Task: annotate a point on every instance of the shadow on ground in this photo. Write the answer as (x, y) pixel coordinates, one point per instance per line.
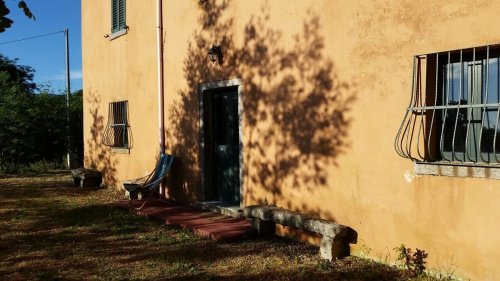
(51, 230)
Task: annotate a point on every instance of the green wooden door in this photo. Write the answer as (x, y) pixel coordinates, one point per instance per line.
(226, 166)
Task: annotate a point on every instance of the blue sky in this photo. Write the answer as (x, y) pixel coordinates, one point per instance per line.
(46, 55)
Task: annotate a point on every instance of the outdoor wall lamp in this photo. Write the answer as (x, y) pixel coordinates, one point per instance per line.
(215, 54)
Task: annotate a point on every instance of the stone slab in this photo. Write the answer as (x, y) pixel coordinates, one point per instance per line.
(85, 178)
(335, 237)
(295, 219)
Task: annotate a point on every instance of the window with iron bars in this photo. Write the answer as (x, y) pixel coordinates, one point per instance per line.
(453, 115)
(117, 133)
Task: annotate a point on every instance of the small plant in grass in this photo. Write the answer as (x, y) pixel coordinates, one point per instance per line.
(414, 262)
(324, 265)
(182, 267)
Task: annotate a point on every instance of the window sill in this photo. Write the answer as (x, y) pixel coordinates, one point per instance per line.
(461, 170)
(117, 34)
(120, 150)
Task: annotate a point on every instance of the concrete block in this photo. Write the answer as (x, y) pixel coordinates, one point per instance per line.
(131, 195)
(263, 227)
(143, 194)
(76, 181)
(86, 177)
(331, 248)
(90, 182)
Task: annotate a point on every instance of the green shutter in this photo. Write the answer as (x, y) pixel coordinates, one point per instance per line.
(121, 14)
(117, 15)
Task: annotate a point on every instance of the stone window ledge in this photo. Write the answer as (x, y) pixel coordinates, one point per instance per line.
(120, 150)
(117, 34)
(461, 170)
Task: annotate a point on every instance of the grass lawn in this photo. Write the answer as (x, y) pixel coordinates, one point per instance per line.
(50, 230)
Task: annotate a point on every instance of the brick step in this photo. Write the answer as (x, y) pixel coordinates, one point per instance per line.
(209, 224)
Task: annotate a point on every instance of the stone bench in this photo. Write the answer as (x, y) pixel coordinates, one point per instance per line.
(335, 237)
(137, 193)
(86, 177)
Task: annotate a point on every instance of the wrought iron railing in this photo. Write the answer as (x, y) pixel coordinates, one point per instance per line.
(117, 132)
(454, 110)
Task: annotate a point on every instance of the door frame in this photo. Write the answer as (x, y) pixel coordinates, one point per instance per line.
(207, 88)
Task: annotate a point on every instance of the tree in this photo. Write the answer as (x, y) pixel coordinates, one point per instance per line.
(15, 96)
(33, 125)
(76, 126)
(5, 22)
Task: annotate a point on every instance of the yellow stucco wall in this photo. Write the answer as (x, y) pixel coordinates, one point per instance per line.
(124, 68)
(325, 86)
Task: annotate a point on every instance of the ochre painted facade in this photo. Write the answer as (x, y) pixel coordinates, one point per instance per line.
(325, 86)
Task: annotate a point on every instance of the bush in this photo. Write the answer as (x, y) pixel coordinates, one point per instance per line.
(42, 166)
(9, 168)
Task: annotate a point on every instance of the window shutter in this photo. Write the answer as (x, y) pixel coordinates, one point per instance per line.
(117, 15)
(114, 15)
(121, 14)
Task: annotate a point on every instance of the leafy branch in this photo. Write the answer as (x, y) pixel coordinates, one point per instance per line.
(413, 261)
(6, 22)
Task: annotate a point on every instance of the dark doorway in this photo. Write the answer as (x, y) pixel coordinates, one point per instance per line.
(222, 145)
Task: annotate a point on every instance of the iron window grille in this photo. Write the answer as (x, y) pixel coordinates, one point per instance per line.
(118, 15)
(117, 132)
(453, 115)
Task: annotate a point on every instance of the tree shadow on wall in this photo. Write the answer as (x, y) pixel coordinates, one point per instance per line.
(97, 155)
(294, 105)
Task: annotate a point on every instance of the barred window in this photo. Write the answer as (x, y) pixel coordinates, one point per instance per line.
(454, 111)
(118, 16)
(117, 133)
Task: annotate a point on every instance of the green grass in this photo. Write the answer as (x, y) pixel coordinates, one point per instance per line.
(50, 230)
